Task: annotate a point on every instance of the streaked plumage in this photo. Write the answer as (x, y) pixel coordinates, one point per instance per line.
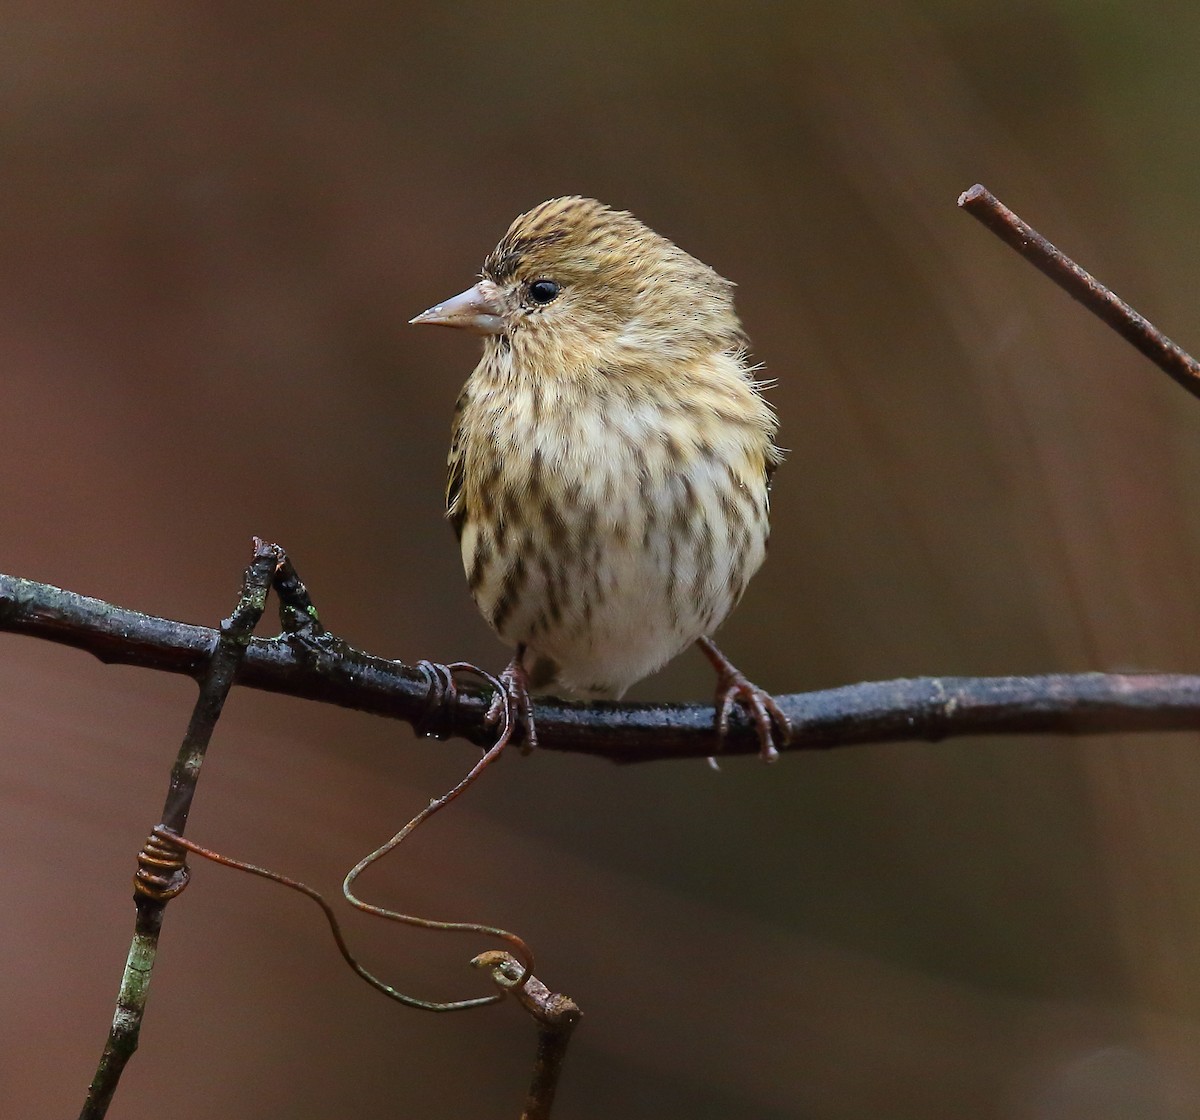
(611, 452)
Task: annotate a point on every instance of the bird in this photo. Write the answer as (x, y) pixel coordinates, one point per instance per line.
(610, 459)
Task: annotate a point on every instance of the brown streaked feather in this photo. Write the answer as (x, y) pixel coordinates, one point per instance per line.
(610, 455)
(455, 467)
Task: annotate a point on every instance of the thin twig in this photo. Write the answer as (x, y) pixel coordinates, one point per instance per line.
(980, 203)
(556, 1016)
(228, 650)
(923, 709)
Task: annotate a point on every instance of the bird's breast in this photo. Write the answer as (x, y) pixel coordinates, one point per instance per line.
(607, 534)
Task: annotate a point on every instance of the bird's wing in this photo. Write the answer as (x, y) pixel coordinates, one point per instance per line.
(772, 462)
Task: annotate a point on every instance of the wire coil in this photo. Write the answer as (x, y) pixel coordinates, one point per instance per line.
(162, 867)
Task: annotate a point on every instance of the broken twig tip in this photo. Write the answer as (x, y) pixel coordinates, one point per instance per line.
(972, 194)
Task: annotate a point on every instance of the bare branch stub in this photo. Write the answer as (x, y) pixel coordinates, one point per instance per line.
(556, 1017)
(1080, 284)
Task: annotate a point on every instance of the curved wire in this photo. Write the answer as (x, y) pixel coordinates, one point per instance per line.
(164, 834)
(170, 840)
(523, 952)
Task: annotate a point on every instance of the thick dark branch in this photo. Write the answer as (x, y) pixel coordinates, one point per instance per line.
(980, 203)
(328, 670)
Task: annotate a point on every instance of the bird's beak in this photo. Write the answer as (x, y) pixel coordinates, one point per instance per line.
(477, 310)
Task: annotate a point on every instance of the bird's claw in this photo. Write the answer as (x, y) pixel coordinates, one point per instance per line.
(515, 705)
(773, 727)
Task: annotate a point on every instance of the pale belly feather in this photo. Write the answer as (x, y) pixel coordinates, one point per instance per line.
(620, 537)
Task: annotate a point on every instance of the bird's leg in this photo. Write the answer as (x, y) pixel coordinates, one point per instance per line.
(516, 699)
(734, 688)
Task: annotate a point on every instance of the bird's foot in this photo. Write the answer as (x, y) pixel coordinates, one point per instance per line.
(774, 728)
(514, 703)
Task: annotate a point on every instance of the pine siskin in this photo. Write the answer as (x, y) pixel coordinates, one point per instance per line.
(610, 459)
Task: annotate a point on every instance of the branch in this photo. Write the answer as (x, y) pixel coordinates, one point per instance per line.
(161, 873)
(326, 669)
(980, 203)
(556, 1016)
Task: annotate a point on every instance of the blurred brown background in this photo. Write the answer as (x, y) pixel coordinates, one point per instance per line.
(215, 220)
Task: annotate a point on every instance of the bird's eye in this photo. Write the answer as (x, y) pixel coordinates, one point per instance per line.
(543, 291)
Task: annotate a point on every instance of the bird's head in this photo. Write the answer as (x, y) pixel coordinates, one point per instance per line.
(576, 286)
